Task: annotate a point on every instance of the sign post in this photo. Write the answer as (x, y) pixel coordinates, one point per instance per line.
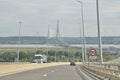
(92, 54)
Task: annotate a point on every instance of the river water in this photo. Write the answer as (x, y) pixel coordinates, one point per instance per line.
(52, 46)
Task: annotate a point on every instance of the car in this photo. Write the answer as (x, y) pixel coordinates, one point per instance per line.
(72, 63)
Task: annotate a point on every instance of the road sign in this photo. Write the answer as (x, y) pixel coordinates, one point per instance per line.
(93, 52)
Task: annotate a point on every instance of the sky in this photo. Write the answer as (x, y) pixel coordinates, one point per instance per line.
(36, 15)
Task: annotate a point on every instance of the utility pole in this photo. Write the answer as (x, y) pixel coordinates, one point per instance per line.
(99, 35)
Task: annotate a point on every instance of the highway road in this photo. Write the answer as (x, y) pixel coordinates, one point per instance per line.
(64, 72)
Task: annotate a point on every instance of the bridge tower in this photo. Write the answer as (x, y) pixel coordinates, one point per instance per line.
(57, 31)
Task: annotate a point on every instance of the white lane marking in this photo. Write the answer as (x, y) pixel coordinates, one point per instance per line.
(45, 75)
(52, 71)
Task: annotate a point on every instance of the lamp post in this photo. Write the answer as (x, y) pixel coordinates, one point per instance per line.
(68, 54)
(84, 55)
(99, 35)
(36, 42)
(48, 36)
(48, 40)
(18, 52)
(81, 44)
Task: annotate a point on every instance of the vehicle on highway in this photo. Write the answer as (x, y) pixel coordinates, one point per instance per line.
(72, 63)
(39, 58)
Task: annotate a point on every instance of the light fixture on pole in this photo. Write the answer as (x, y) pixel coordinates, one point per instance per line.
(99, 35)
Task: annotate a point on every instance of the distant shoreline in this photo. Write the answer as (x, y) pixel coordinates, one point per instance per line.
(53, 40)
(52, 46)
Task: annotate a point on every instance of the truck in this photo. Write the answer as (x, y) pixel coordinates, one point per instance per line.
(39, 58)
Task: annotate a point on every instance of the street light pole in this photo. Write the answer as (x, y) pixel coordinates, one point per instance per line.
(82, 45)
(36, 42)
(84, 55)
(55, 56)
(68, 54)
(99, 35)
(48, 40)
(20, 24)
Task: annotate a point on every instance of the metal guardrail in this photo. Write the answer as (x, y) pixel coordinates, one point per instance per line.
(106, 70)
(87, 75)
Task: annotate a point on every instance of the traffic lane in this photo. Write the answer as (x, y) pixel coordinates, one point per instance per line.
(29, 75)
(65, 72)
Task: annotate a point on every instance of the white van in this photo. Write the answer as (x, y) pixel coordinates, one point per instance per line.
(39, 58)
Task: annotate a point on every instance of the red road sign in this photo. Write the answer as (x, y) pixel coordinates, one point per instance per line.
(92, 52)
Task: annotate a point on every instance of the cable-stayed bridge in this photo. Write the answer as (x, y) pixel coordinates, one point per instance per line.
(57, 40)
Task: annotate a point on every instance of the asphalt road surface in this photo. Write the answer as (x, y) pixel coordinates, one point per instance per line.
(64, 72)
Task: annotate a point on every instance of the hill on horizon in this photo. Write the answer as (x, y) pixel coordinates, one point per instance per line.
(70, 40)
